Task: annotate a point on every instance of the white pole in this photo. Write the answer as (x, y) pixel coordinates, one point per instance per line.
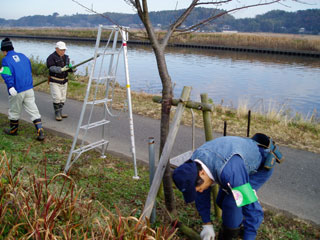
(124, 35)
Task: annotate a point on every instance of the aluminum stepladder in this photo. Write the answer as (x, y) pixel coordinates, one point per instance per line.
(109, 81)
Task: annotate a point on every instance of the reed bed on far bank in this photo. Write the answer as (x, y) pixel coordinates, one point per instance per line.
(292, 42)
(253, 40)
(55, 32)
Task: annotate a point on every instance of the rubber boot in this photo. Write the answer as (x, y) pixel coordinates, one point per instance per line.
(13, 130)
(229, 233)
(61, 107)
(40, 131)
(57, 111)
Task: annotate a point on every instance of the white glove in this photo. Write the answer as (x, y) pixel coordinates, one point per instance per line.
(12, 91)
(207, 232)
(65, 68)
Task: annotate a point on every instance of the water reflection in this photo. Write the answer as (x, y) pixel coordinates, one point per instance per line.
(228, 77)
(246, 56)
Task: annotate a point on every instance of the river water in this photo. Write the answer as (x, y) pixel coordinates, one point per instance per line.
(259, 81)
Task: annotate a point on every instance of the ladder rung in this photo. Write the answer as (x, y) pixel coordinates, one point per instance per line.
(103, 78)
(94, 124)
(109, 53)
(100, 101)
(90, 146)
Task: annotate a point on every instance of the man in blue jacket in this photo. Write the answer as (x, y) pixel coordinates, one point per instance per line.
(17, 74)
(240, 166)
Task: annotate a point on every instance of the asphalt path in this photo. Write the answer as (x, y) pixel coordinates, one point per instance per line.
(293, 188)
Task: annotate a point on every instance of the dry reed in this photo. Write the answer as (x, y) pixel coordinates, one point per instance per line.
(293, 42)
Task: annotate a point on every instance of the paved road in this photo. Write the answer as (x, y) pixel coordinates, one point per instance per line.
(294, 187)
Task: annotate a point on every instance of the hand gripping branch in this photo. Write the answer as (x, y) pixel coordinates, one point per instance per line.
(73, 67)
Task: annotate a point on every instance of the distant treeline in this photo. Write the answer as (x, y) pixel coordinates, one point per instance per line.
(304, 21)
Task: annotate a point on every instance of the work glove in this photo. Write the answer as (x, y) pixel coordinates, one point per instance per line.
(13, 91)
(71, 70)
(65, 68)
(207, 232)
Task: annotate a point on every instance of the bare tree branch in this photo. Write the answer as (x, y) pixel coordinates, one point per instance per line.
(178, 22)
(143, 13)
(214, 3)
(132, 3)
(93, 11)
(198, 25)
(174, 27)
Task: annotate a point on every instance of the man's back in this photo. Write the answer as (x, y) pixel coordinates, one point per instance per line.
(21, 74)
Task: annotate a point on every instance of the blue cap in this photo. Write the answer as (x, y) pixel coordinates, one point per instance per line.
(185, 179)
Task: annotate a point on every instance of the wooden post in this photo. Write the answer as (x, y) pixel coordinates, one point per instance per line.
(249, 119)
(209, 136)
(151, 173)
(189, 104)
(206, 119)
(165, 154)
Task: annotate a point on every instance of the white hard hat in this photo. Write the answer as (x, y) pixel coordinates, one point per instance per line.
(61, 45)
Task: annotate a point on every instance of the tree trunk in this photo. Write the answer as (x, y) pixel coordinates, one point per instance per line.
(165, 124)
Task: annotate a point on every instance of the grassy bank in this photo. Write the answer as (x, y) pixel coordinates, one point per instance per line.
(287, 42)
(49, 205)
(298, 131)
(292, 131)
(103, 195)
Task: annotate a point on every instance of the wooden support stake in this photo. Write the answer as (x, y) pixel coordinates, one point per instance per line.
(209, 136)
(189, 104)
(165, 155)
(206, 119)
(249, 119)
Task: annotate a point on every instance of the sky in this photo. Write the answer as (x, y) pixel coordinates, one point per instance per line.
(14, 9)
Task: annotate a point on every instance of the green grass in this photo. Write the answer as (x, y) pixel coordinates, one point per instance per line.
(273, 120)
(284, 129)
(109, 181)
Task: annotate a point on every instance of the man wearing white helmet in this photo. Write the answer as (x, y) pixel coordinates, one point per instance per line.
(59, 66)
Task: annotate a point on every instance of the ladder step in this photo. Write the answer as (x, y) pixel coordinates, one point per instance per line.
(95, 124)
(103, 78)
(108, 53)
(90, 146)
(105, 100)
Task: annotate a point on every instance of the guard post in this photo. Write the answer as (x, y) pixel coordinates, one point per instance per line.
(208, 134)
(206, 109)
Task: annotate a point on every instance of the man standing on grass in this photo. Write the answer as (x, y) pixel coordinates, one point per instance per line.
(59, 66)
(240, 166)
(17, 74)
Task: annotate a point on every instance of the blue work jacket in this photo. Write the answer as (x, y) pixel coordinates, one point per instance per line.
(234, 161)
(20, 74)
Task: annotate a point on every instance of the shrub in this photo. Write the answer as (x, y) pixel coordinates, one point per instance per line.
(42, 208)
